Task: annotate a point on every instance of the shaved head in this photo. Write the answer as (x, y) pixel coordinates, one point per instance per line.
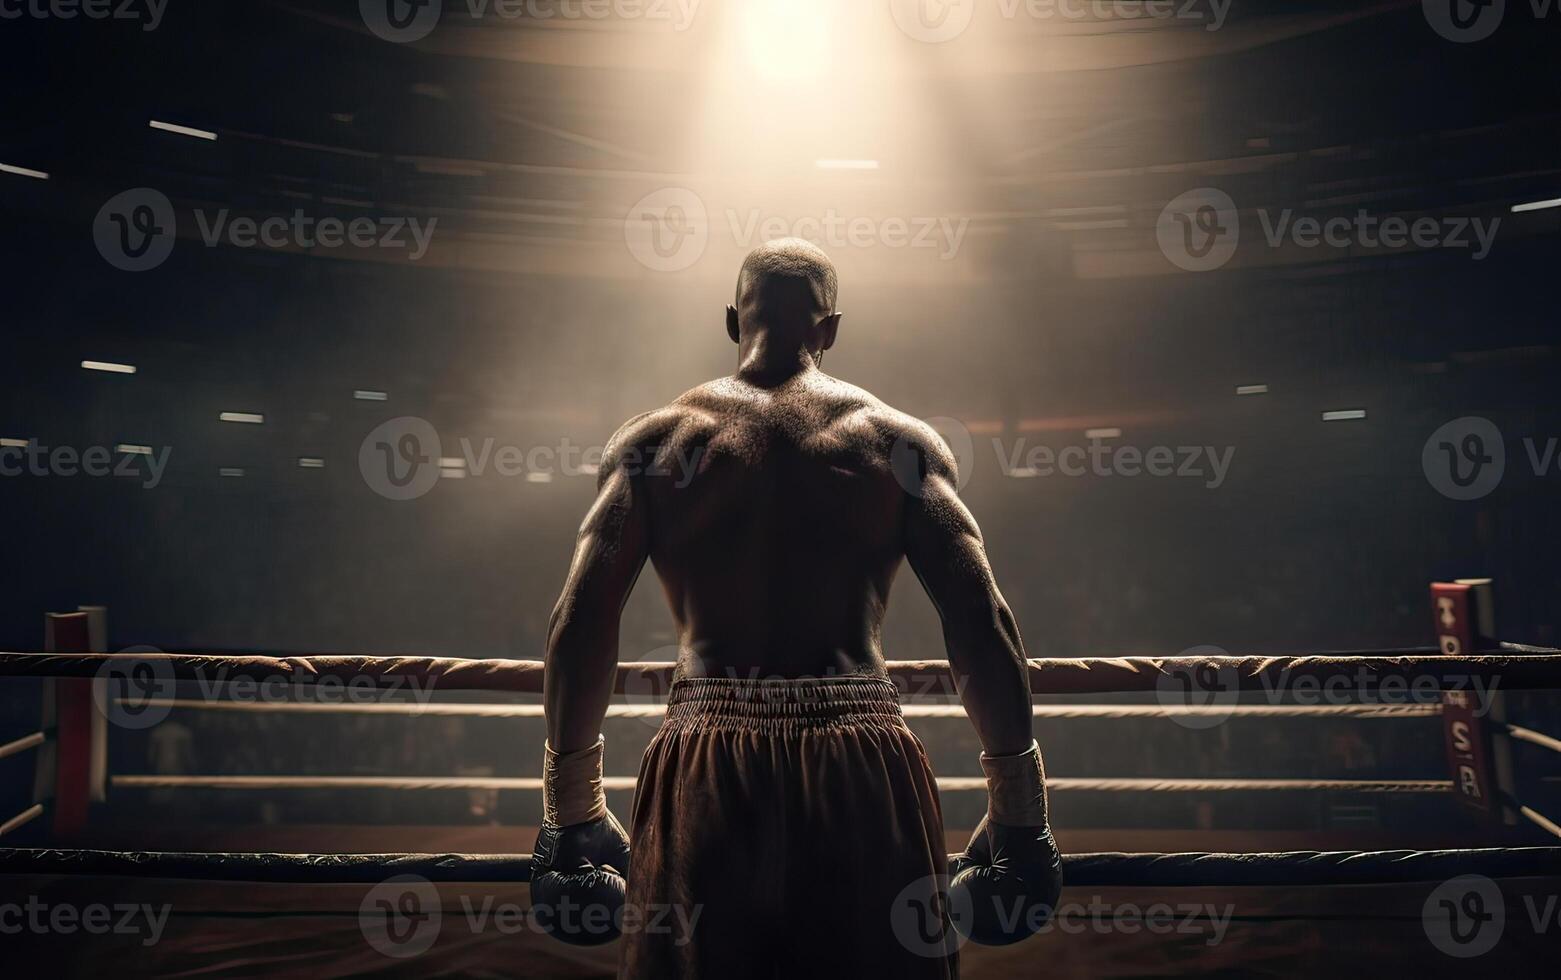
(784, 318)
(785, 280)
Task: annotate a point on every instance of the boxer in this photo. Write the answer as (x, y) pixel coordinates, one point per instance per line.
(784, 806)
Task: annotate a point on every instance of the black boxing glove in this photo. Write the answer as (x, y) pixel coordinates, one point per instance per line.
(582, 854)
(1006, 884)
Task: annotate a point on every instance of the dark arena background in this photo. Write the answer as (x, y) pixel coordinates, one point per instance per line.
(1237, 316)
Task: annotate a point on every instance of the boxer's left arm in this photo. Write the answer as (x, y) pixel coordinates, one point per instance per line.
(1012, 863)
(582, 636)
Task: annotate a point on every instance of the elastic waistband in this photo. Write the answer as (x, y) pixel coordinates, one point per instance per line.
(782, 705)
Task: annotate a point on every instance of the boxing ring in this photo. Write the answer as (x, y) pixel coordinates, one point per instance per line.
(330, 913)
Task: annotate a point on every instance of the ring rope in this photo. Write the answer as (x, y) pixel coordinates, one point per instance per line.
(1534, 738)
(27, 815)
(23, 744)
(1540, 820)
(626, 783)
(1527, 648)
(1090, 870)
(467, 709)
(1088, 675)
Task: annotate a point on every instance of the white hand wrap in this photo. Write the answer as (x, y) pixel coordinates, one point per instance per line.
(1016, 788)
(572, 786)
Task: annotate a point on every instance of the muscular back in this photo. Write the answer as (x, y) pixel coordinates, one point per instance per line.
(775, 522)
(776, 518)
(776, 506)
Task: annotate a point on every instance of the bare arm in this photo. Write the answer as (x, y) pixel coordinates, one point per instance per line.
(582, 638)
(944, 547)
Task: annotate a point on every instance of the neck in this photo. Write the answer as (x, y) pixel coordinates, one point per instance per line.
(765, 362)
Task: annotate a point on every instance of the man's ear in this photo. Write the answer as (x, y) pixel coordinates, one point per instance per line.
(731, 324)
(828, 327)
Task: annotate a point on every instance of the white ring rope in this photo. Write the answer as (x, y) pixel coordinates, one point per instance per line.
(1534, 738)
(946, 783)
(23, 744)
(467, 709)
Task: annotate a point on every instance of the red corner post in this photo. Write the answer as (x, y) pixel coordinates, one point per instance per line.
(73, 724)
(1464, 613)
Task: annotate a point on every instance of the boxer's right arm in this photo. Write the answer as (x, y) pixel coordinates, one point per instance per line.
(582, 853)
(945, 550)
(582, 638)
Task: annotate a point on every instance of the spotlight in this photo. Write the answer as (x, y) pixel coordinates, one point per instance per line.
(787, 40)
